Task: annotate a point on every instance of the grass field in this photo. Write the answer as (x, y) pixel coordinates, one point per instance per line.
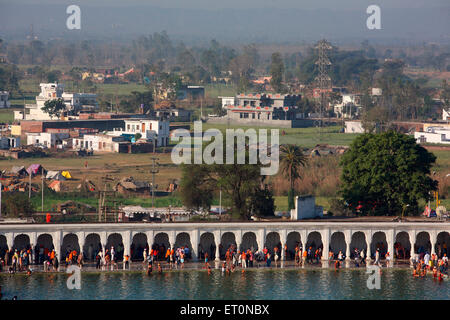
(305, 137)
(7, 115)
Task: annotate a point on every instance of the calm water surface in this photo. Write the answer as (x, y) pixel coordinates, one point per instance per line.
(255, 284)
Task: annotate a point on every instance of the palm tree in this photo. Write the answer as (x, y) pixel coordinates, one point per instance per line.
(291, 159)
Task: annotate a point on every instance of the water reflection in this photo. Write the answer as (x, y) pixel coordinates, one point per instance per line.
(253, 284)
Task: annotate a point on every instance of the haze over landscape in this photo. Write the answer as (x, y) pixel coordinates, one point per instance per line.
(257, 21)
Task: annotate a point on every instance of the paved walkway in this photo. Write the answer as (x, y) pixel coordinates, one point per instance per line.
(139, 266)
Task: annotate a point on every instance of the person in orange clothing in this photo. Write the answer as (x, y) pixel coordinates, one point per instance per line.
(305, 255)
(244, 260)
(126, 263)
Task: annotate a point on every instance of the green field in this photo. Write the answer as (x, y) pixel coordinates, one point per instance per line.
(305, 137)
(6, 115)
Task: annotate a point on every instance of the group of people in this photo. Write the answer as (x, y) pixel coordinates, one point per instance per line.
(426, 263)
(15, 260)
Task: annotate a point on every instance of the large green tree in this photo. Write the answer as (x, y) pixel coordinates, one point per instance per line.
(386, 173)
(277, 71)
(16, 205)
(54, 107)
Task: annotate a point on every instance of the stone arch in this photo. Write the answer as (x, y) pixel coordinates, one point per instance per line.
(115, 240)
(183, 239)
(161, 243)
(442, 243)
(249, 241)
(3, 245)
(46, 241)
(379, 242)
(402, 245)
(92, 246)
(227, 239)
(358, 242)
(293, 240)
(314, 240)
(272, 241)
(69, 243)
(337, 243)
(423, 243)
(207, 244)
(138, 245)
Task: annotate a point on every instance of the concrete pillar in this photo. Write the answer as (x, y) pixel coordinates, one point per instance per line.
(126, 238)
(194, 235)
(261, 238)
(325, 234)
(172, 238)
(57, 243)
(303, 239)
(283, 238)
(433, 239)
(9, 240)
(390, 238)
(103, 240)
(33, 239)
(217, 236)
(81, 241)
(348, 240)
(368, 235)
(412, 240)
(150, 239)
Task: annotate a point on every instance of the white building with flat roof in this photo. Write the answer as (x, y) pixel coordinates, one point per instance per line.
(149, 129)
(47, 139)
(50, 91)
(228, 101)
(98, 142)
(433, 135)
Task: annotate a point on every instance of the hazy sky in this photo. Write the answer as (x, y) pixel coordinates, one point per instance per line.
(246, 20)
(216, 4)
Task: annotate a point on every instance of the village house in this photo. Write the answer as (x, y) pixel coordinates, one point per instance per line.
(149, 129)
(9, 142)
(100, 142)
(75, 102)
(47, 139)
(350, 106)
(435, 134)
(265, 107)
(228, 101)
(174, 114)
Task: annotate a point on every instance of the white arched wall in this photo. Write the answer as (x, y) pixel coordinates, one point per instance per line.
(239, 231)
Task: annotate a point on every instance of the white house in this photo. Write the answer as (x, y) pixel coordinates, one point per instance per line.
(48, 139)
(50, 91)
(349, 107)
(98, 142)
(149, 129)
(433, 135)
(228, 101)
(4, 103)
(305, 208)
(353, 127)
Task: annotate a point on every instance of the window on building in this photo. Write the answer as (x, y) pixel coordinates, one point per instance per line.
(128, 127)
(253, 116)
